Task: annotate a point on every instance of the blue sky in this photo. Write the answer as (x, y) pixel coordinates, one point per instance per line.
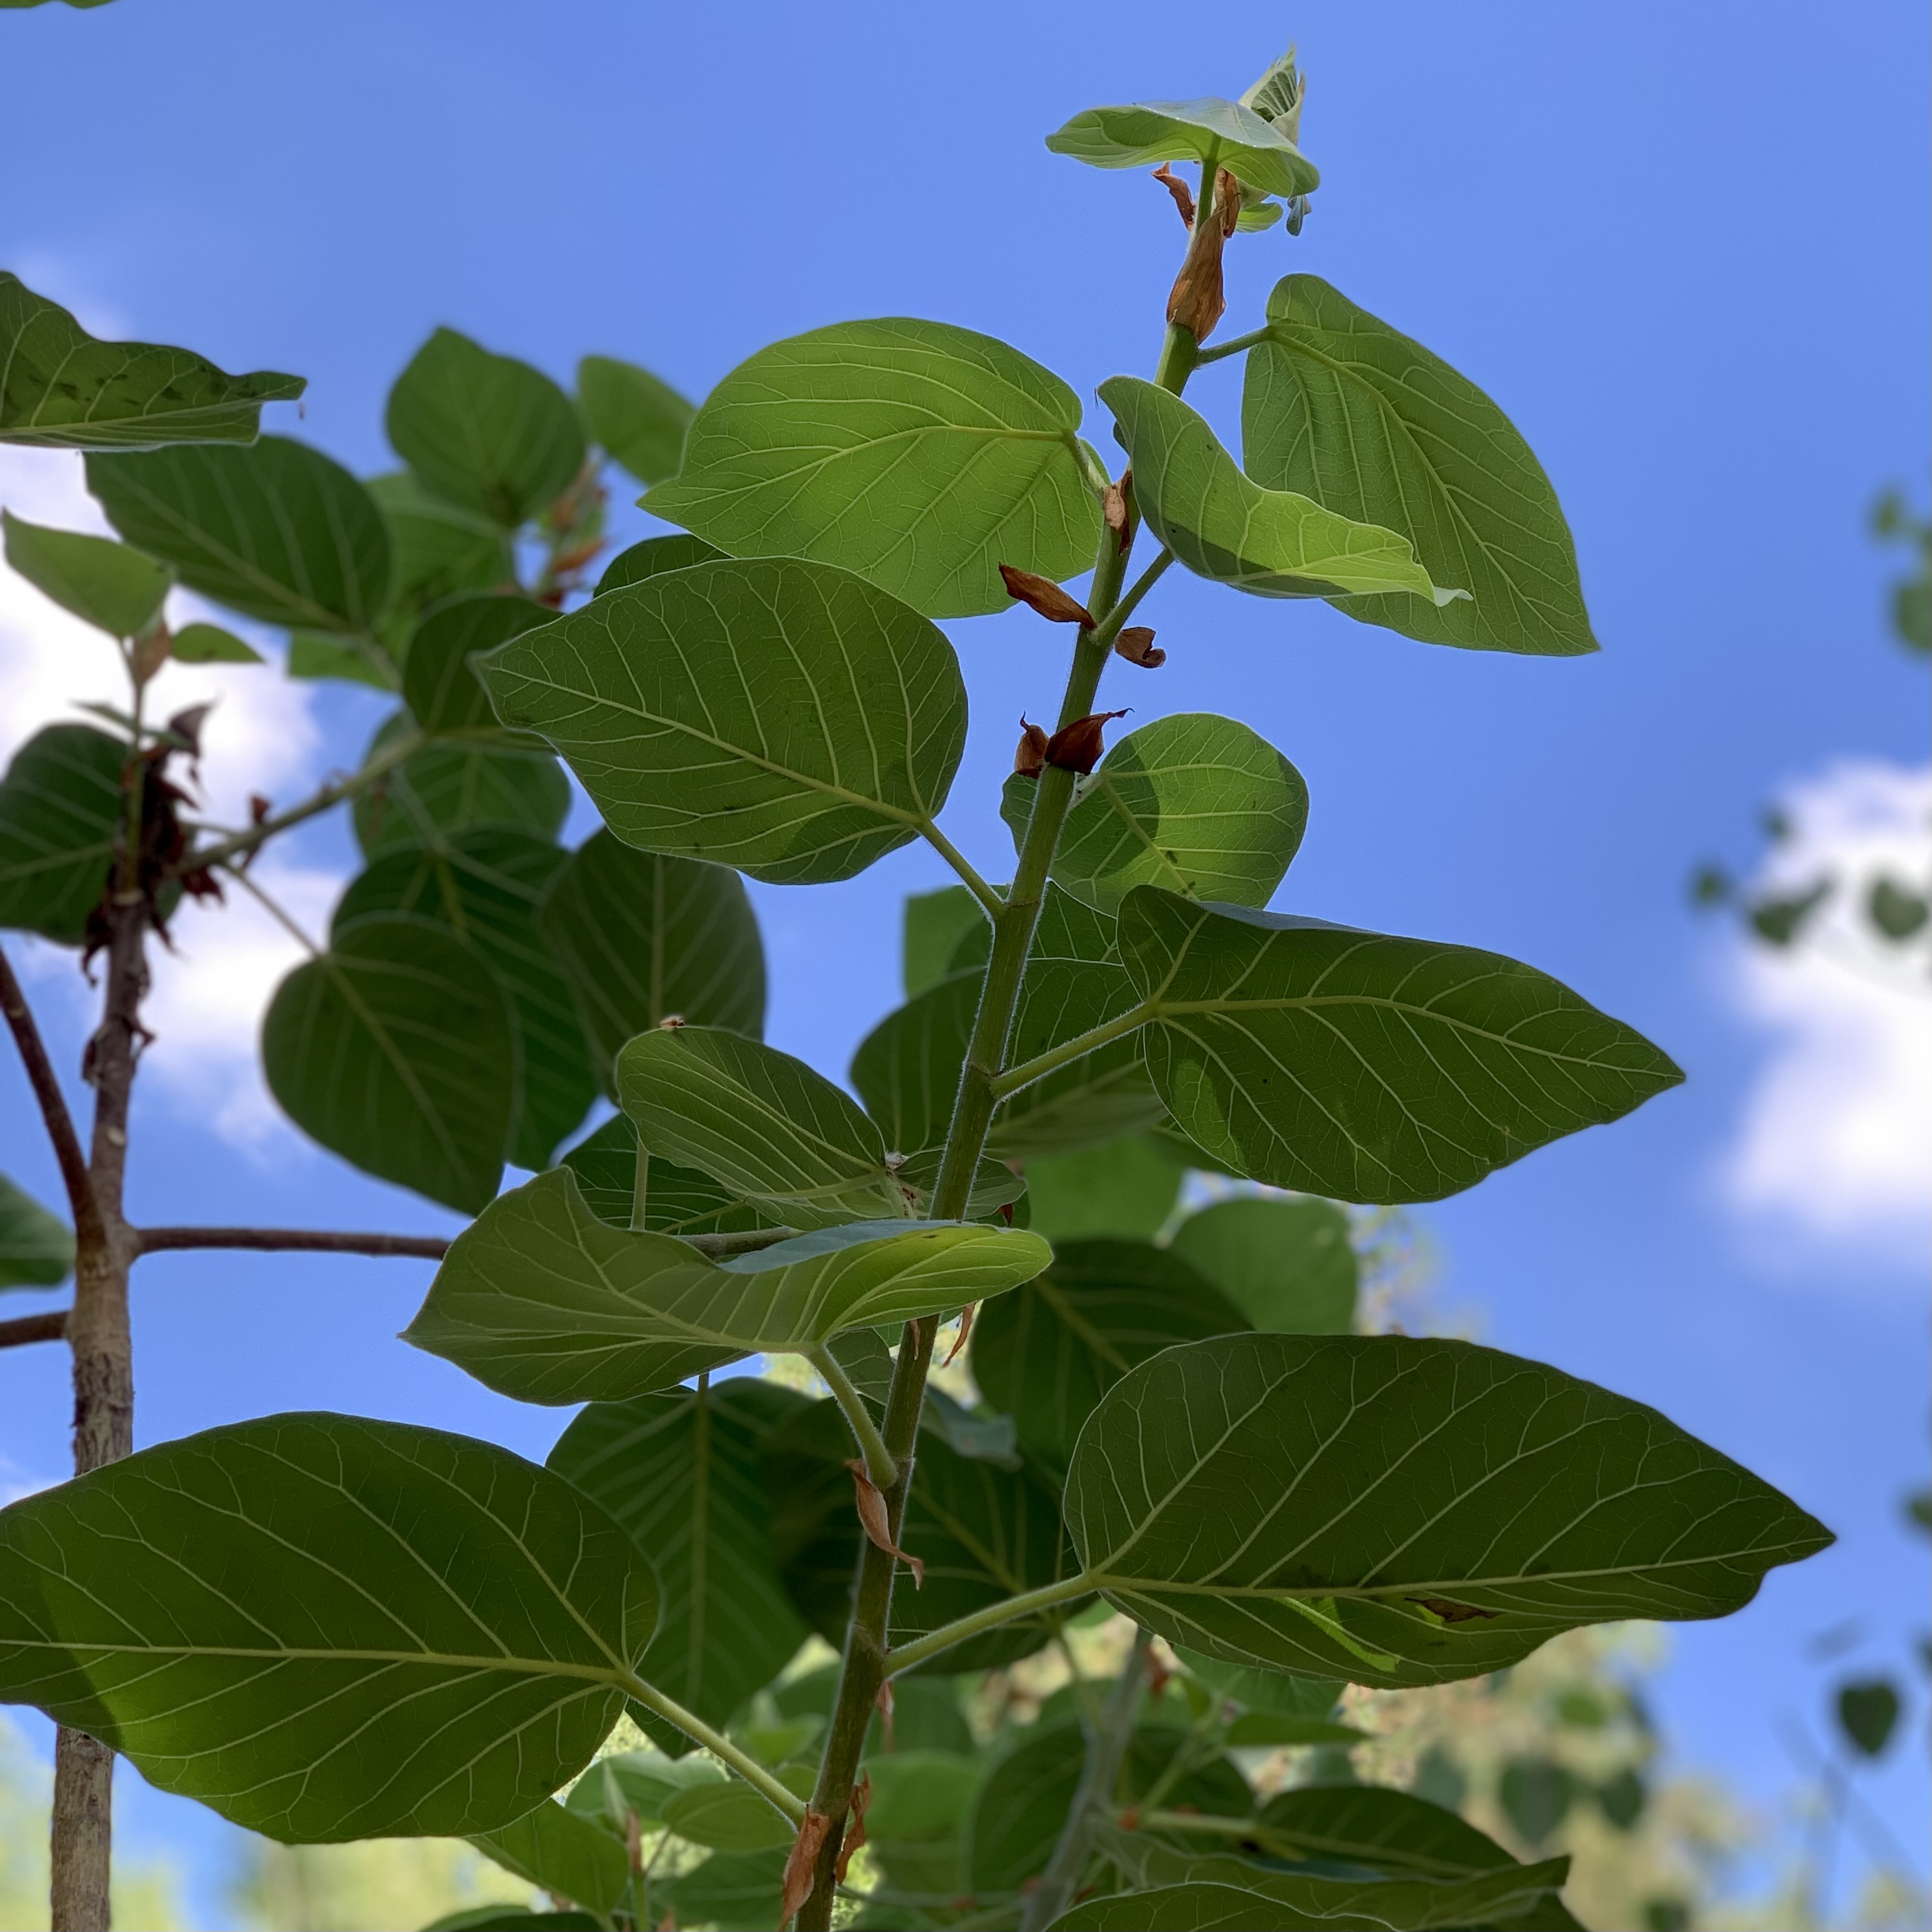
(1685, 248)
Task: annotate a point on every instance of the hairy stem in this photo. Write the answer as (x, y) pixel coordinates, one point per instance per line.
(1107, 1739)
(1013, 924)
(719, 1746)
(53, 1102)
(880, 1464)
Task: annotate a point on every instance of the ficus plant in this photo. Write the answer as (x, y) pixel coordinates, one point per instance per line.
(326, 1627)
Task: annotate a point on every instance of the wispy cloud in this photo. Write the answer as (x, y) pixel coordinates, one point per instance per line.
(1834, 1146)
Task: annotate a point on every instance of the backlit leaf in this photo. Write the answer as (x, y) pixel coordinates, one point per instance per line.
(1365, 1067)
(639, 419)
(678, 1200)
(1389, 1831)
(920, 455)
(60, 388)
(439, 682)
(397, 1050)
(1287, 1265)
(483, 885)
(563, 1854)
(448, 788)
(935, 923)
(652, 558)
(106, 584)
(683, 1472)
(1224, 525)
(209, 644)
(1148, 132)
(36, 1247)
(327, 1628)
(780, 716)
(643, 937)
(1128, 1188)
(61, 814)
(1198, 804)
(1403, 1511)
(436, 549)
(1047, 1355)
(1340, 407)
(277, 531)
(727, 1818)
(484, 432)
(540, 1299)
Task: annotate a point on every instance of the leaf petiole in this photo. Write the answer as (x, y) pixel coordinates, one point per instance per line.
(880, 1465)
(785, 1802)
(903, 1657)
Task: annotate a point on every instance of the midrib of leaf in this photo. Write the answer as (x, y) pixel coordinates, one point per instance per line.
(1360, 384)
(617, 1676)
(318, 618)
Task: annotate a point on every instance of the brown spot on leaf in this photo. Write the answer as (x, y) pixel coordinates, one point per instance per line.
(1452, 1613)
(1043, 595)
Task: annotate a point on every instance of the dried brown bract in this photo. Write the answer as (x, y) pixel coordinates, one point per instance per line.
(1183, 195)
(1136, 645)
(1030, 759)
(1043, 595)
(1078, 747)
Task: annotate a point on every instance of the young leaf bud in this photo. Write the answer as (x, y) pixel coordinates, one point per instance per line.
(1043, 595)
(1077, 747)
(1031, 756)
(1136, 645)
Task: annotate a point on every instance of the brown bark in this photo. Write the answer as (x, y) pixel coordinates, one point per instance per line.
(103, 1394)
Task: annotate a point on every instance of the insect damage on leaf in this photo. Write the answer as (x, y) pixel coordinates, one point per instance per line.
(1452, 1613)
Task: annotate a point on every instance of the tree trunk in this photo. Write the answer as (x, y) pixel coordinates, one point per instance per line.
(103, 1397)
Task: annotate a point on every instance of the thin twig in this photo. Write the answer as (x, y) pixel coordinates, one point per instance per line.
(51, 1327)
(325, 1241)
(52, 1101)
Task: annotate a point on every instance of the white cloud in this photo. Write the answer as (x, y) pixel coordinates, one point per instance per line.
(1835, 1144)
(261, 737)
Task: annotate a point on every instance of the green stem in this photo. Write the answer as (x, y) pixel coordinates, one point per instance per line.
(719, 1745)
(641, 1190)
(958, 860)
(880, 1465)
(1105, 634)
(1179, 354)
(903, 1657)
(1041, 1065)
(237, 843)
(1233, 346)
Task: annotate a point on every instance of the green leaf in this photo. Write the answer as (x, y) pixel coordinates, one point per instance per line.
(920, 455)
(1047, 1355)
(643, 938)
(438, 550)
(640, 1781)
(1199, 804)
(770, 1128)
(1430, 1510)
(682, 1471)
(734, 1891)
(639, 420)
(439, 681)
(652, 558)
(985, 1533)
(562, 1854)
(316, 654)
(60, 388)
(1341, 408)
(1868, 1713)
(61, 815)
(935, 924)
(325, 1628)
(540, 1299)
(1362, 1066)
(1221, 1890)
(113, 588)
(1386, 1830)
(678, 1200)
(209, 644)
(907, 1069)
(1273, 1693)
(1265, 1730)
(920, 1802)
(1024, 1799)
(277, 531)
(1223, 526)
(1127, 1188)
(1148, 132)
(397, 1050)
(487, 432)
(1287, 1265)
(727, 1818)
(483, 886)
(782, 717)
(36, 1248)
(445, 789)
